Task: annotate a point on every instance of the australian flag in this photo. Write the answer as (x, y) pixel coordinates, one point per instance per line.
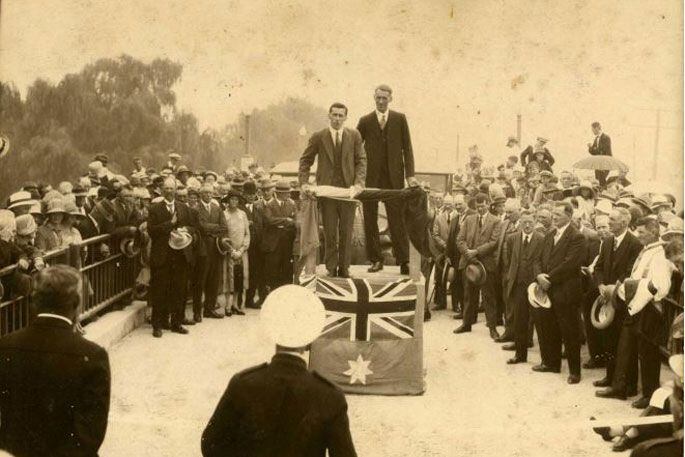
(369, 343)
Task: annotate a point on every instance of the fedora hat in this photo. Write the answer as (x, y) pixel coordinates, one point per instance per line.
(4, 145)
(537, 297)
(223, 245)
(603, 310)
(129, 247)
(180, 238)
(475, 272)
(292, 316)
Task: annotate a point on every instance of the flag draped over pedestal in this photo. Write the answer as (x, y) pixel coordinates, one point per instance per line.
(371, 342)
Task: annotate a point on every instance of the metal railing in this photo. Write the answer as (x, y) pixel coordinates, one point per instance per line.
(108, 277)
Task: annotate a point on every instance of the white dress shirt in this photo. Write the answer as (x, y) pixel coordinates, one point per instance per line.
(380, 116)
(560, 233)
(170, 205)
(334, 133)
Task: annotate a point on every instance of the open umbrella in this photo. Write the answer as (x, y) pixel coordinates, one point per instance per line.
(601, 163)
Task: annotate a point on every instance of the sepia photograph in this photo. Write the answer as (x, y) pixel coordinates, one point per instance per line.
(394, 228)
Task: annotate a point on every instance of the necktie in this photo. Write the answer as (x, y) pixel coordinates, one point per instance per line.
(337, 138)
(382, 121)
(170, 208)
(449, 218)
(615, 244)
(480, 221)
(526, 240)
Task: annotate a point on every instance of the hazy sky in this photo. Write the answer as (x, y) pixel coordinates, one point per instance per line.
(457, 67)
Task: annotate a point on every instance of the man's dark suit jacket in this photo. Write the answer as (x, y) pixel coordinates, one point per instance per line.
(54, 391)
(483, 239)
(353, 160)
(275, 225)
(279, 409)
(159, 226)
(601, 147)
(513, 262)
(562, 263)
(212, 225)
(392, 143)
(617, 265)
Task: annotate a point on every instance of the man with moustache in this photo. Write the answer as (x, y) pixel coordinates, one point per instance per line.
(390, 160)
(522, 250)
(560, 262)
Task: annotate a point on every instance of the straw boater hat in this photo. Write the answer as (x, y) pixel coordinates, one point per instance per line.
(604, 310)
(537, 297)
(180, 239)
(19, 199)
(475, 272)
(175, 156)
(292, 316)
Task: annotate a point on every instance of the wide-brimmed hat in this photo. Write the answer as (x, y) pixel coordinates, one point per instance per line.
(292, 316)
(180, 238)
(183, 169)
(26, 225)
(266, 184)
(212, 173)
(475, 272)
(283, 186)
(21, 198)
(223, 245)
(71, 208)
(603, 310)
(56, 205)
(537, 297)
(129, 247)
(674, 228)
(659, 201)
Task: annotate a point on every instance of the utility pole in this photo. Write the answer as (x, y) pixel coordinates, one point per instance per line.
(656, 143)
(247, 135)
(457, 158)
(518, 128)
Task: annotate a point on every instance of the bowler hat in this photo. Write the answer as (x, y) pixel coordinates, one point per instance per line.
(292, 316)
(475, 272)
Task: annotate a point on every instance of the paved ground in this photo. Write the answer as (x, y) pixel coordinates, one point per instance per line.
(164, 391)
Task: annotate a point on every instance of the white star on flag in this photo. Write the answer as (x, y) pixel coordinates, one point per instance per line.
(359, 369)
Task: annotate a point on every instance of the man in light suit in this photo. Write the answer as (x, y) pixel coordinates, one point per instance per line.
(390, 160)
(342, 163)
(212, 226)
(521, 252)
(477, 240)
(600, 146)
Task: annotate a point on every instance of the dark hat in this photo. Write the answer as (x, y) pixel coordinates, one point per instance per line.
(183, 169)
(249, 187)
(102, 158)
(283, 186)
(231, 193)
(237, 181)
(79, 191)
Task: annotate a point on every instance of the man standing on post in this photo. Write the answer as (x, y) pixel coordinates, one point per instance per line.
(390, 159)
(600, 146)
(477, 241)
(341, 163)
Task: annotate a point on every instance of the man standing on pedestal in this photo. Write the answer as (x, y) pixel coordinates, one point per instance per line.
(390, 159)
(600, 146)
(342, 163)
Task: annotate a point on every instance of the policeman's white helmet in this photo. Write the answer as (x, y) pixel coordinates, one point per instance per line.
(292, 316)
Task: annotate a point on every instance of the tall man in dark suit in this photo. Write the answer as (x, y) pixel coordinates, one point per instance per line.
(615, 263)
(54, 384)
(560, 262)
(390, 159)
(520, 260)
(212, 226)
(280, 408)
(169, 268)
(278, 238)
(457, 286)
(341, 162)
(600, 146)
(477, 240)
(255, 259)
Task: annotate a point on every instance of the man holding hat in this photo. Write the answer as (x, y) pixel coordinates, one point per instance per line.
(279, 235)
(477, 242)
(341, 162)
(280, 408)
(169, 260)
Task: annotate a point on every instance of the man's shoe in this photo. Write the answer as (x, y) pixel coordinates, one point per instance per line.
(515, 360)
(509, 347)
(604, 432)
(427, 317)
(594, 362)
(197, 318)
(157, 332)
(494, 334)
(458, 315)
(462, 329)
(404, 269)
(623, 444)
(180, 330)
(573, 379)
(375, 266)
(331, 273)
(604, 382)
(631, 392)
(504, 338)
(610, 392)
(640, 403)
(343, 273)
(542, 368)
(188, 322)
(212, 314)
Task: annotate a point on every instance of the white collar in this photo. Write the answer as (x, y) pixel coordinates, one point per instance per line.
(334, 132)
(56, 316)
(524, 236)
(619, 238)
(169, 203)
(560, 231)
(379, 115)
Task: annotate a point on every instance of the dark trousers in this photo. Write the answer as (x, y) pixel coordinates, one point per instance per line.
(564, 328)
(511, 310)
(457, 290)
(398, 232)
(338, 221)
(601, 176)
(595, 342)
(440, 285)
(197, 275)
(521, 317)
(631, 348)
(471, 298)
(256, 270)
(543, 319)
(168, 290)
(210, 282)
(610, 337)
(278, 264)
